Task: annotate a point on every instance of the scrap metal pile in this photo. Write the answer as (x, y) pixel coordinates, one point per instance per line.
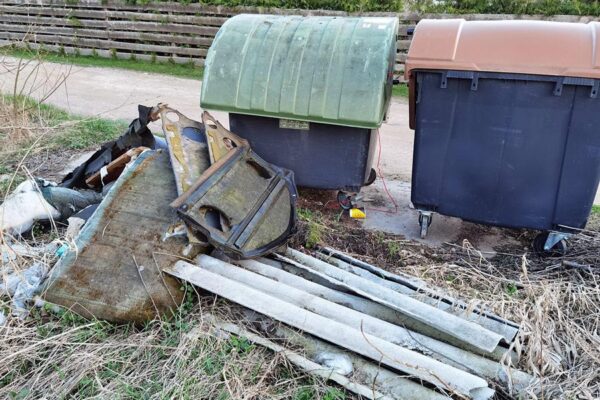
(202, 207)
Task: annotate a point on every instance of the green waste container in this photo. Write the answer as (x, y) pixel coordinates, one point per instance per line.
(308, 93)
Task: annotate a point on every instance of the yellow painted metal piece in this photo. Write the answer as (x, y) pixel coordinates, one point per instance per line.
(357, 213)
(220, 140)
(189, 154)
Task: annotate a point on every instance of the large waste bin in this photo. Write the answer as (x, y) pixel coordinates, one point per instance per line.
(506, 117)
(308, 93)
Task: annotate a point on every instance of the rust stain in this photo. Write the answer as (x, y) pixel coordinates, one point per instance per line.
(104, 280)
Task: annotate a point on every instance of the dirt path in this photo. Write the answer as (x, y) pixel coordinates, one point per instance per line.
(115, 93)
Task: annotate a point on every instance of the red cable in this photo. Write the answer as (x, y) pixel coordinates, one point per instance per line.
(383, 182)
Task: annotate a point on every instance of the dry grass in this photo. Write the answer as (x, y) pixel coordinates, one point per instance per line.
(59, 355)
(29, 78)
(56, 354)
(555, 300)
(557, 308)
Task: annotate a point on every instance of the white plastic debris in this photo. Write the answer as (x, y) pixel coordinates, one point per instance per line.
(23, 207)
(75, 224)
(38, 302)
(21, 286)
(338, 362)
(7, 254)
(11, 251)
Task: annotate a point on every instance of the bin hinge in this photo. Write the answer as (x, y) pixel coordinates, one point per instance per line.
(444, 83)
(595, 88)
(418, 89)
(559, 86)
(474, 82)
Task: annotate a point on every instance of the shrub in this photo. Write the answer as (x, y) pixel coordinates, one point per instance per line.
(545, 7)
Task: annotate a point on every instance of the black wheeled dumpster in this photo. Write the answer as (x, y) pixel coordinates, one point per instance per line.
(507, 124)
(308, 93)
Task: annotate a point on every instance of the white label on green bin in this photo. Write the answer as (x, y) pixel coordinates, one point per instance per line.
(293, 124)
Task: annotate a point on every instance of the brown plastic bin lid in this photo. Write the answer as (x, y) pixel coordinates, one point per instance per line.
(528, 47)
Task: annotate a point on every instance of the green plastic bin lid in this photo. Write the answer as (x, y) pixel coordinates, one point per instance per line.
(333, 70)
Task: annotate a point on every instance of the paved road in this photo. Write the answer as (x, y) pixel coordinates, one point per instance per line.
(112, 93)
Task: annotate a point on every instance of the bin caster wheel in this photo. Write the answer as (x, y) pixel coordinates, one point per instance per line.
(425, 219)
(372, 177)
(345, 200)
(549, 244)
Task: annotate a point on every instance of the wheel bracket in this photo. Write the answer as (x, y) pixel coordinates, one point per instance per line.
(425, 218)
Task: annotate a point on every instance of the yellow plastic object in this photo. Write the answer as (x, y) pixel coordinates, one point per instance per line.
(357, 213)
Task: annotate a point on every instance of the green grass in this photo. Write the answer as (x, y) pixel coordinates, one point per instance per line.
(72, 131)
(67, 131)
(314, 226)
(179, 70)
(596, 210)
(511, 289)
(309, 393)
(400, 90)
(5, 185)
(393, 249)
(89, 132)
